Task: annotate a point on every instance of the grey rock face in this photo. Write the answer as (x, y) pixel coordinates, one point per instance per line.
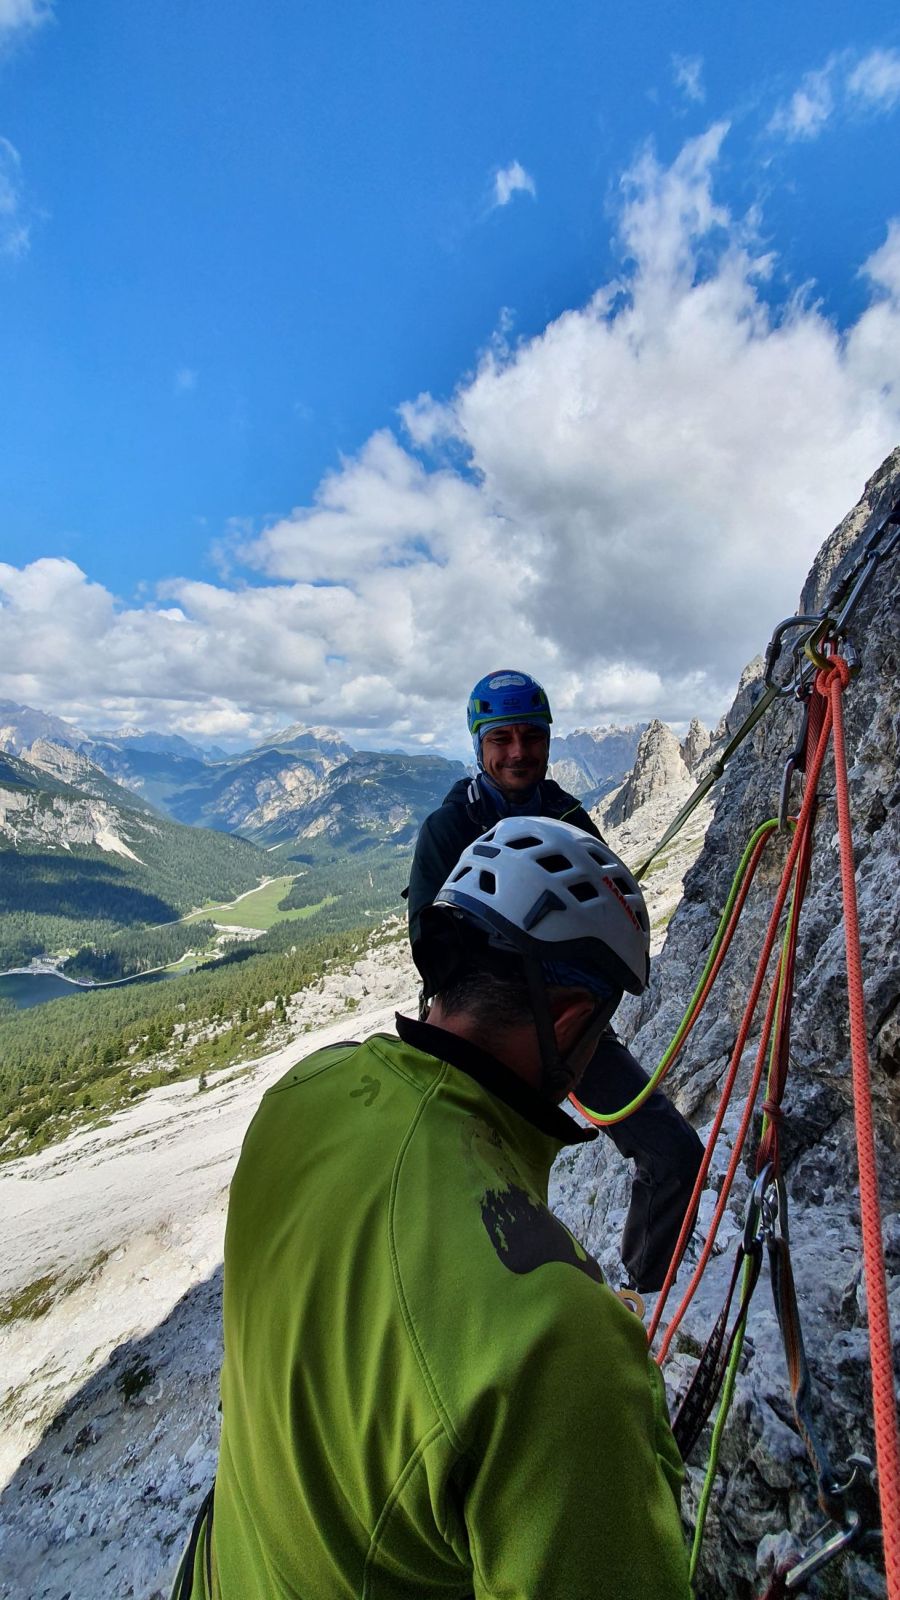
(20, 726)
(696, 743)
(765, 1492)
(589, 762)
(659, 766)
(750, 687)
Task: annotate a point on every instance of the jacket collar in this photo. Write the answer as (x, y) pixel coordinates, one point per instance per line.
(495, 1077)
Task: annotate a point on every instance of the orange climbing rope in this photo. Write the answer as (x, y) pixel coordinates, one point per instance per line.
(887, 1440)
(804, 823)
(825, 722)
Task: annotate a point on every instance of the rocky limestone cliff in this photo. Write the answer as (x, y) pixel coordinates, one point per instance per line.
(62, 762)
(60, 823)
(375, 795)
(20, 726)
(696, 743)
(749, 689)
(51, 813)
(659, 768)
(764, 1493)
(635, 816)
(589, 762)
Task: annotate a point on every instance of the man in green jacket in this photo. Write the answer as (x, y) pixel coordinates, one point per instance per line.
(427, 1389)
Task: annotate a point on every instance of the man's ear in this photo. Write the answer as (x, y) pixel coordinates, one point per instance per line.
(570, 1010)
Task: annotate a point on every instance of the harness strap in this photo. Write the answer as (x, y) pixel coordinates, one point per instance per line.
(700, 1397)
(784, 1295)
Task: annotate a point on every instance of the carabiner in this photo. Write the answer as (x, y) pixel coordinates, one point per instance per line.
(762, 1209)
(826, 1551)
(784, 799)
(773, 649)
(812, 647)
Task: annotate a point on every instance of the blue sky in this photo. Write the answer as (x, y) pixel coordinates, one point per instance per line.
(238, 244)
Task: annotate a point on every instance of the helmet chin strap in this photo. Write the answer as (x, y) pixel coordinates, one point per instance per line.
(556, 1071)
(552, 1064)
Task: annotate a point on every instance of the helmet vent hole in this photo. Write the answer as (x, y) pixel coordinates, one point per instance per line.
(460, 874)
(583, 891)
(526, 841)
(489, 850)
(487, 882)
(554, 863)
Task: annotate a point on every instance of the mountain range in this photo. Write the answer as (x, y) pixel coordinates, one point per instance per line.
(176, 826)
(297, 783)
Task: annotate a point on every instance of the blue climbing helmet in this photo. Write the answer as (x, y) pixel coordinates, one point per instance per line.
(502, 698)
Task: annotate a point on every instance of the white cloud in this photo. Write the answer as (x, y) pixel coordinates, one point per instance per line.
(687, 72)
(15, 232)
(623, 504)
(512, 180)
(845, 84)
(876, 79)
(20, 16)
(883, 266)
(185, 380)
(809, 108)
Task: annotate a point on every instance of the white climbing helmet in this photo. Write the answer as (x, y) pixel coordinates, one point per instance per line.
(541, 887)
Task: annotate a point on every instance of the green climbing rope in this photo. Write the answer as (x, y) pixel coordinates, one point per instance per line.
(606, 1118)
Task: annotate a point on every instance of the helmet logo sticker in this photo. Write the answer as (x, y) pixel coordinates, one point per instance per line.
(507, 680)
(610, 884)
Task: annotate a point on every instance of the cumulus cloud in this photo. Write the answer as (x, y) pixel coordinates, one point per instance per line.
(845, 83)
(623, 504)
(883, 265)
(512, 180)
(687, 72)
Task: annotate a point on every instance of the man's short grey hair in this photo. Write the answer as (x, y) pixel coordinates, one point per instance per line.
(493, 1002)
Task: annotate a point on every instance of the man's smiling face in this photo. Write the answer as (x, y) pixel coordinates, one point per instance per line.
(515, 757)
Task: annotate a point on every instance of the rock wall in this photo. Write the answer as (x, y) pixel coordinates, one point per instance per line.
(590, 762)
(659, 768)
(695, 744)
(765, 1495)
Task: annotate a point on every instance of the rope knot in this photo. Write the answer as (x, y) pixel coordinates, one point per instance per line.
(773, 1111)
(825, 675)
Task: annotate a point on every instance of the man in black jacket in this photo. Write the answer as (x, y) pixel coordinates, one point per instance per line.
(509, 720)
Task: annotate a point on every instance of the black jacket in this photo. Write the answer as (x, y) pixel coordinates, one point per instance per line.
(468, 811)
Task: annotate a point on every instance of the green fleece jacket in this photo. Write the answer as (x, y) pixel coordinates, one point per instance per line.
(427, 1388)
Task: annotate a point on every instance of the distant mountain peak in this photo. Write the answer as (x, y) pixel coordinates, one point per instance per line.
(695, 744)
(20, 726)
(591, 761)
(659, 766)
(309, 738)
